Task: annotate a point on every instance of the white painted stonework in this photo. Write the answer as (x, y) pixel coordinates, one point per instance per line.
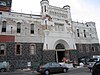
(52, 27)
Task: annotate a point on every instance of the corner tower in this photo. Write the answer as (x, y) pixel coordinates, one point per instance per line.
(67, 8)
(44, 7)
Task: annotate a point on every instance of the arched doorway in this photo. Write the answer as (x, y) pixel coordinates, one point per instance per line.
(60, 46)
(60, 52)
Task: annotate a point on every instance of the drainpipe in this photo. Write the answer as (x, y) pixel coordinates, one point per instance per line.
(56, 57)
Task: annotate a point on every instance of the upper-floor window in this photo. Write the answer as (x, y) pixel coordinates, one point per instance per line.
(32, 29)
(18, 27)
(4, 26)
(2, 49)
(78, 33)
(18, 50)
(59, 27)
(44, 8)
(46, 46)
(84, 33)
(32, 49)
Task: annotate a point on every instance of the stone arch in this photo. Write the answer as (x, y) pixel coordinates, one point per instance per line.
(61, 44)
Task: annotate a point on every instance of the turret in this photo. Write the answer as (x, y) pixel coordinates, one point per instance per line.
(44, 7)
(67, 8)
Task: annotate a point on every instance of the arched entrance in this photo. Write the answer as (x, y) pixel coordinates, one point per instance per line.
(60, 52)
(61, 46)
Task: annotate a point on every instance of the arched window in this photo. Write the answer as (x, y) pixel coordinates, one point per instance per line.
(18, 49)
(32, 49)
(32, 29)
(18, 27)
(93, 49)
(4, 26)
(2, 49)
(84, 33)
(78, 33)
(44, 8)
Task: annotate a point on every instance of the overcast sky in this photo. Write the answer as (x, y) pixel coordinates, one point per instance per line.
(81, 10)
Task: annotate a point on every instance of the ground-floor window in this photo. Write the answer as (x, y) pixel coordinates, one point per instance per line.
(93, 49)
(2, 49)
(32, 49)
(18, 50)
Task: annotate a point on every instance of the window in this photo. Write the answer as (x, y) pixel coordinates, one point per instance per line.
(45, 8)
(42, 8)
(2, 49)
(59, 27)
(46, 23)
(18, 49)
(90, 35)
(93, 49)
(87, 48)
(87, 25)
(4, 26)
(98, 47)
(32, 49)
(32, 28)
(46, 46)
(18, 27)
(84, 33)
(78, 34)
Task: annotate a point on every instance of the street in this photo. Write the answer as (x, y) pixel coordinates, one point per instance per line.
(78, 71)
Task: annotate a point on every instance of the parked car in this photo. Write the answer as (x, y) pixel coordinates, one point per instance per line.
(4, 66)
(51, 67)
(96, 68)
(91, 63)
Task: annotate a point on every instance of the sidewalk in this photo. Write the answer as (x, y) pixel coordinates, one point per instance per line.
(19, 71)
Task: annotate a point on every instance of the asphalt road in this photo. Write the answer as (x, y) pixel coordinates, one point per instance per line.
(79, 71)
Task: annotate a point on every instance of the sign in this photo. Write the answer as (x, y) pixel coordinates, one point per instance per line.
(28, 64)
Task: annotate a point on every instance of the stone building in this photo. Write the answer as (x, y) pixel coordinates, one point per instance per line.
(28, 39)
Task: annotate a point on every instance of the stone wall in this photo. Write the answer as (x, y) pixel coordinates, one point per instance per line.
(20, 61)
(86, 50)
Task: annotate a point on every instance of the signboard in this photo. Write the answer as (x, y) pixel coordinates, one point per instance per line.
(5, 5)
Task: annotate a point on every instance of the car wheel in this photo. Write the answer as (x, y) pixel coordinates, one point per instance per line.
(46, 72)
(2, 70)
(64, 70)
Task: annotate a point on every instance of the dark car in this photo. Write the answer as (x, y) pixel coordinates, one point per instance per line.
(96, 68)
(51, 67)
(91, 63)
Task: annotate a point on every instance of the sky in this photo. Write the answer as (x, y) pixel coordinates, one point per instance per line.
(81, 10)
